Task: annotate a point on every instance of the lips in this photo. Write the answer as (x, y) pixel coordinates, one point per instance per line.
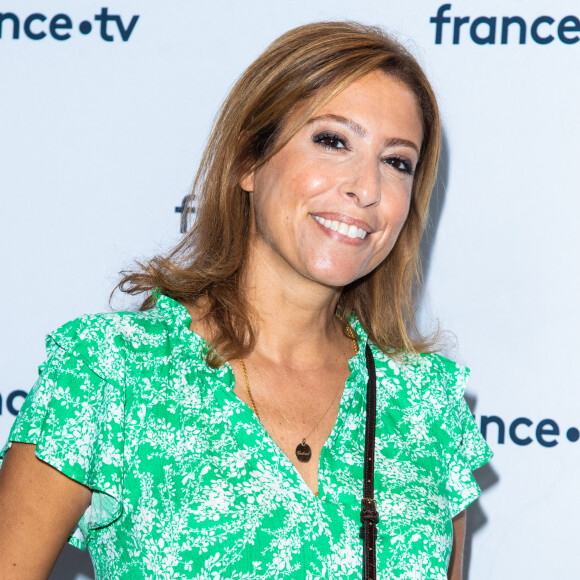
(342, 228)
(343, 225)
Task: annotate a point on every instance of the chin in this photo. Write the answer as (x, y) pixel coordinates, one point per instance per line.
(339, 269)
(335, 277)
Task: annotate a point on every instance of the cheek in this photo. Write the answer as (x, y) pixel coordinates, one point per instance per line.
(314, 179)
(399, 206)
(302, 182)
(396, 217)
(404, 208)
(276, 200)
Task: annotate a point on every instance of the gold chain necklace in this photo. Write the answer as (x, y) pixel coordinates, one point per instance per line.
(303, 450)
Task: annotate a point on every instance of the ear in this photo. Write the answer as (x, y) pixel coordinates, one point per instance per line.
(247, 182)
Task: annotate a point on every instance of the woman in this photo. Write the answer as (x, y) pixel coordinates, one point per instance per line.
(219, 432)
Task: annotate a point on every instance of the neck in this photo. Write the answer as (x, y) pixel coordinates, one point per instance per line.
(295, 317)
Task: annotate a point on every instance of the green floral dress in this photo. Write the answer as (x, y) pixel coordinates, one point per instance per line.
(188, 485)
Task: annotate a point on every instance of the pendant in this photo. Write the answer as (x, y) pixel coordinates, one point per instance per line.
(303, 452)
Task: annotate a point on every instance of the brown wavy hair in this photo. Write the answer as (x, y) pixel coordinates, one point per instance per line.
(306, 66)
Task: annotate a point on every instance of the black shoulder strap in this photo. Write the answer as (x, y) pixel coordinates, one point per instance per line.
(369, 515)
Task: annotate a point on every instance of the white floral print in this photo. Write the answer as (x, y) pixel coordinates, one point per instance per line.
(188, 485)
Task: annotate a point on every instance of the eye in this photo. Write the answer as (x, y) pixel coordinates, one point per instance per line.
(330, 140)
(400, 164)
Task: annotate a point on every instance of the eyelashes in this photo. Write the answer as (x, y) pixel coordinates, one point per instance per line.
(330, 140)
(334, 142)
(400, 164)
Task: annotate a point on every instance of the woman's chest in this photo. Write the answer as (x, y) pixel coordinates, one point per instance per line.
(207, 485)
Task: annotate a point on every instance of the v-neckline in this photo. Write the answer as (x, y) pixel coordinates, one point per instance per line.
(346, 398)
(182, 320)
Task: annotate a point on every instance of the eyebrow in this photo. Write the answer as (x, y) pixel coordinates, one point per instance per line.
(361, 132)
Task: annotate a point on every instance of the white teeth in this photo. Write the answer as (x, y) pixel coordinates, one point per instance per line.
(345, 229)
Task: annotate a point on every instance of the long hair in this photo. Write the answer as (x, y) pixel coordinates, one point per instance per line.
(306, 66)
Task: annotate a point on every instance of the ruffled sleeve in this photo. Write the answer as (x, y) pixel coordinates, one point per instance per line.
(74, 415)
(462, 443)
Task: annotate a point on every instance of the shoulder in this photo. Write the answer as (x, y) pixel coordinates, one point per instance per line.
(105, 342)
(430, 376)
(110, 327)
(428, 373)
(451, 375)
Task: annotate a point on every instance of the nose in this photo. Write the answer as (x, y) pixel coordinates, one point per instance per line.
(363, 182)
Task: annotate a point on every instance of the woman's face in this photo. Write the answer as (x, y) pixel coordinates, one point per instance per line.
(328, 207)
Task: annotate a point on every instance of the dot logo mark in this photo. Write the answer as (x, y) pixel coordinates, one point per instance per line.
(38, 26)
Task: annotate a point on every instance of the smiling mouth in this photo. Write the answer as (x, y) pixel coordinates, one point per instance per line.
(342, 228)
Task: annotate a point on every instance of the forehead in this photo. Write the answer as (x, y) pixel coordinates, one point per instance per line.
(379, 94)
(375, 101)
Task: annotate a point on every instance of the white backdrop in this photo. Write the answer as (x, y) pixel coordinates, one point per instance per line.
(100, 138)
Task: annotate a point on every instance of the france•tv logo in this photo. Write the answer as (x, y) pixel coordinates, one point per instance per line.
(38, 26)
(522, 431)
(13, 402)
(505, 30)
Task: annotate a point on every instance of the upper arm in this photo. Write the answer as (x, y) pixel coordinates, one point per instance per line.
(455, 571)
(40, 508)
